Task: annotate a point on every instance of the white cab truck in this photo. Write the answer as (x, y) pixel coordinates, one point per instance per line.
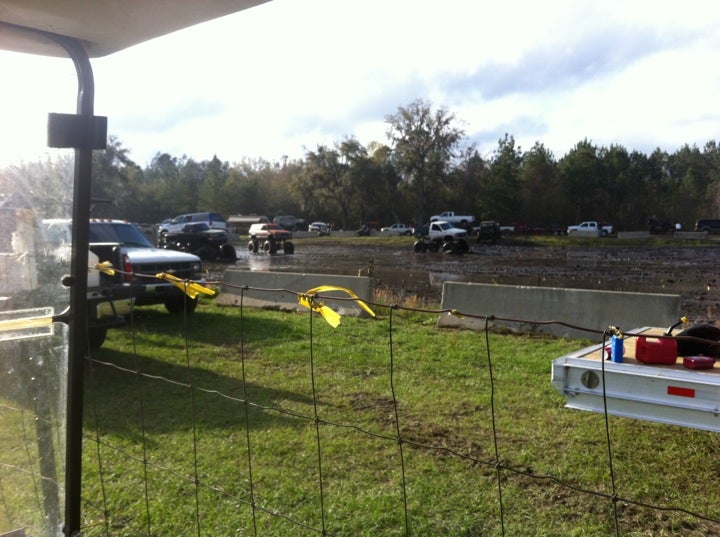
(112, 296)
(590, 228)
(397, 229)
(443, 236)
(462, 220)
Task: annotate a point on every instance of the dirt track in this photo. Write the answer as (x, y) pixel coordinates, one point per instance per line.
(690, 271)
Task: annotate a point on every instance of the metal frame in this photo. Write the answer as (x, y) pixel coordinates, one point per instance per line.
(669, 394)
(84, 137)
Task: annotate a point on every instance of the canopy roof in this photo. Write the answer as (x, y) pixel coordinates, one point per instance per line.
(104, 26)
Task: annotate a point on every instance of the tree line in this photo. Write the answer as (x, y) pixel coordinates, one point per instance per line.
(427, 166)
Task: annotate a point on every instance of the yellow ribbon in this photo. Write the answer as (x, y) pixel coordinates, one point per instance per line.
(106, 267)
(191, 289)
(332, 317)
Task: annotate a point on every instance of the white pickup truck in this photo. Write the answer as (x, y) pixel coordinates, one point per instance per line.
(590, 228)
(443, 235)
(462, 220)
(397, 229)
(111, 296)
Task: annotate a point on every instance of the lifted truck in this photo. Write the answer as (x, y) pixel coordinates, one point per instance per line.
(200, 239)
(272, 237)
(443, 236)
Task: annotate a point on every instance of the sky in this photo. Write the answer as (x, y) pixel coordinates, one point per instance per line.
(279, 79)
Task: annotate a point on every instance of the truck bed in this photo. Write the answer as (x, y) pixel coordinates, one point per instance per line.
(668, 393)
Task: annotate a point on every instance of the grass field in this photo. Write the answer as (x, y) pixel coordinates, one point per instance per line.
(302, 421)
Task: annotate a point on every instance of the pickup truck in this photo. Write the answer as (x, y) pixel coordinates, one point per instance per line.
(397, 229)
(590, 228)
(136, 262)
(272, 237)
(443, 235)
(465, 221)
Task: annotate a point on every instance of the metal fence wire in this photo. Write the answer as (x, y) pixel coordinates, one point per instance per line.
(244, 481)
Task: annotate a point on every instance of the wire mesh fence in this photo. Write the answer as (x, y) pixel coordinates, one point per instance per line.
(377, 432)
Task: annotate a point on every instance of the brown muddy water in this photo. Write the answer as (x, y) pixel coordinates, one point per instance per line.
(691, 272)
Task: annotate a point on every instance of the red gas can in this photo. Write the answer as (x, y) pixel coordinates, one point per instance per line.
(653, 350)
(699, 362)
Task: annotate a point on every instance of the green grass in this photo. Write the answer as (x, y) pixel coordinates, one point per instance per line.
(441, 381)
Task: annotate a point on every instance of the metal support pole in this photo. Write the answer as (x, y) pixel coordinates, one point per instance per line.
(78, 291)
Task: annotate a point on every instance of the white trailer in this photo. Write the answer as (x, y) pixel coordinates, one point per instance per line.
(669, 393)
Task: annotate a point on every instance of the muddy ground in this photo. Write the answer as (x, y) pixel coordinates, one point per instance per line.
(689, 271)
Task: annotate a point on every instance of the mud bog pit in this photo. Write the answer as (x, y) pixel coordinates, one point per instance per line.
(690, 272)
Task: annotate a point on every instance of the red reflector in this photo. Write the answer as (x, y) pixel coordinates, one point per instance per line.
(127, 268)
(682, 392)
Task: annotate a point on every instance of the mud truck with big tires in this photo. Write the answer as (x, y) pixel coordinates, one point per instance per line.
(209, 244)
(270, 238)
(442, 236)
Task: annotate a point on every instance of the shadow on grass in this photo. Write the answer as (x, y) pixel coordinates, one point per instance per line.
(143, 380)
(208, 324)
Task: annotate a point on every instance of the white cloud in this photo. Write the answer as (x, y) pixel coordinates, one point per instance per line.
(287, 75)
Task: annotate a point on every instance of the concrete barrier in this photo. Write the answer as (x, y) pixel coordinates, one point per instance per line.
(278, 290)
(578, 307)
(697, 235)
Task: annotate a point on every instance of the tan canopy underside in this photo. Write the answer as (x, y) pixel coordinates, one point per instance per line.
(104, 26)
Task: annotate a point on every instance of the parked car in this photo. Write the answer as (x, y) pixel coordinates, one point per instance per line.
(289, 222)
(397, 229)
(214, 220)
(591, 228)
(708, 226)
(459, 220)
(488, 231)
(321, 228)
(200, 239)
(658, 226)
(136, 261)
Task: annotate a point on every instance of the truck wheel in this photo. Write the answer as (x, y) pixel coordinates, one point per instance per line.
(253, 247)
(267, 247)
(448, 247)
(205, 253)
(180, 303)
(96, 337)
(289, 248)
(228, 252)
(420, 247)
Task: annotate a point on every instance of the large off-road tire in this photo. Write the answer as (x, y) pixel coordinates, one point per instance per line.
(420, 247)
(228, 252)
(180, 303)
(289, 248)
(253, 247)
(206, 253)
(268, 247)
